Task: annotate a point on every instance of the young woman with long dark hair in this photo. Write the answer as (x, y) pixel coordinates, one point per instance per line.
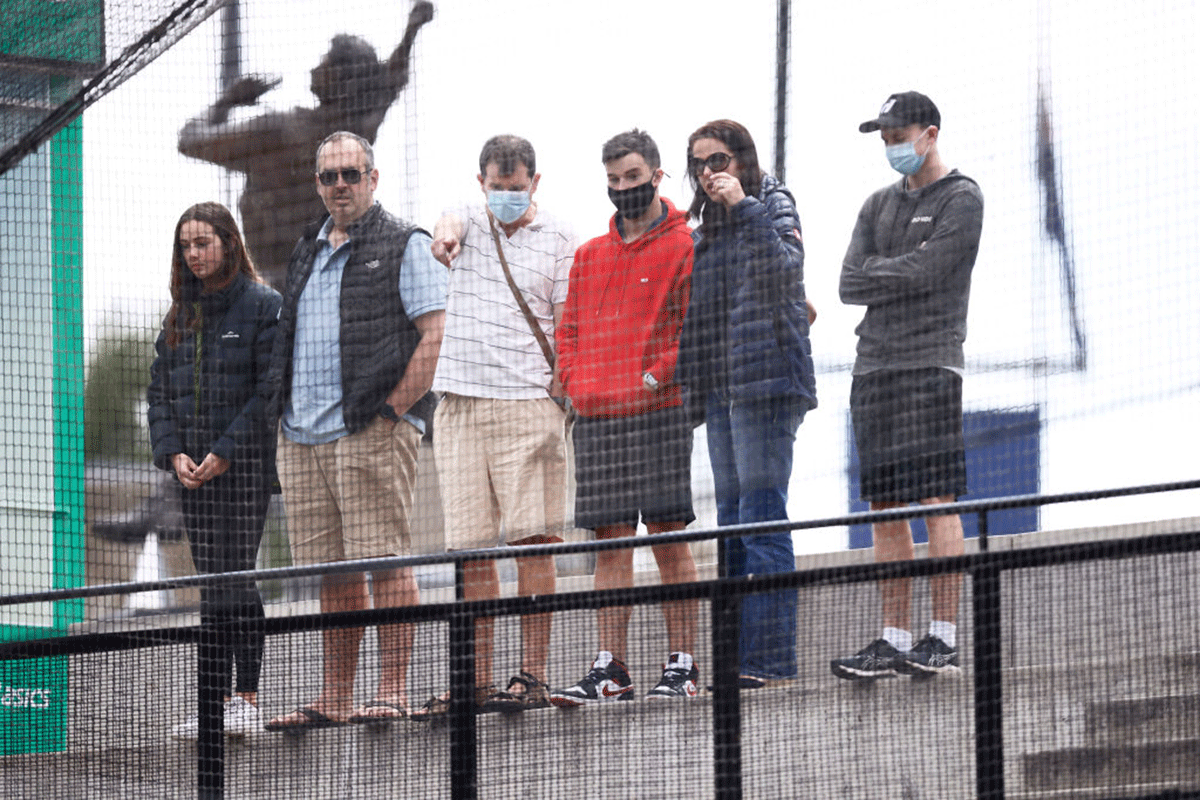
(206, 397)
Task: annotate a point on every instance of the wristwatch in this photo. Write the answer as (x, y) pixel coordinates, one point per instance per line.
(649, 381)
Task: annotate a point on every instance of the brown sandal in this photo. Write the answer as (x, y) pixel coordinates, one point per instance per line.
(534, 694)
(439, 705)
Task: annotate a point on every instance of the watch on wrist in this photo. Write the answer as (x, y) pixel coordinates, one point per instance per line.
(649, 381)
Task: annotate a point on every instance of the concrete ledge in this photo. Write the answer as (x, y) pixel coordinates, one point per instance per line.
(1078, 637)
(1174, 763)
(838, 740)
(1144, 720)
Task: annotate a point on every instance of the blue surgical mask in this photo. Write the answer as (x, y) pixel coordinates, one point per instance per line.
(903, 157)
(508, 207)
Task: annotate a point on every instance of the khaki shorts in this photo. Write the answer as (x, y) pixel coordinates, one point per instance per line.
(350, 498)
(503, 469)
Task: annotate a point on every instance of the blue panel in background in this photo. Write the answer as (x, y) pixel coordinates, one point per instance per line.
(1003, 458)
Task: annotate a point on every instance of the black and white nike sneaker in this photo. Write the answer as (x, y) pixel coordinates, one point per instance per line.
(607, 680)
(679, 679)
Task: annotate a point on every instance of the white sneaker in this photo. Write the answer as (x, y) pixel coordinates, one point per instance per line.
(187, 731)
(241, 718)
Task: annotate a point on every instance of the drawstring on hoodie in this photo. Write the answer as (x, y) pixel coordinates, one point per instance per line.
(640, 242)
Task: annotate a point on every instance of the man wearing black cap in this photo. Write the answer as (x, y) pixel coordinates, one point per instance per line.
(909, 262)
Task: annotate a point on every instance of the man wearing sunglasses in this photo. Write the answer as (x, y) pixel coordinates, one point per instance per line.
(354, 357)
(909, 262)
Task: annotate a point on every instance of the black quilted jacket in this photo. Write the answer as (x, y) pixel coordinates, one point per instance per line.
(207, 395)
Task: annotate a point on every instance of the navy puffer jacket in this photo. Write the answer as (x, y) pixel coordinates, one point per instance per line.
(207, 394)
(746, 329)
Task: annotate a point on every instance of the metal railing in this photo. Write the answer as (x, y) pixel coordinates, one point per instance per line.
(724, 596)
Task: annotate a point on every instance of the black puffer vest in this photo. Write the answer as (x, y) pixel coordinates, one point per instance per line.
(377, 339)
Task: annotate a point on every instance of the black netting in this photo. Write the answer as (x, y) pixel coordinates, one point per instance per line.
(260, 445)
(61, 56)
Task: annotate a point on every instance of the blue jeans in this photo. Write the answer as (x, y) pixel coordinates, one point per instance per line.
(750, 448)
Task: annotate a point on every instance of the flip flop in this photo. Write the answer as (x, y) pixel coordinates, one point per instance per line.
(312, 720)
(434, 708)
(362, 715)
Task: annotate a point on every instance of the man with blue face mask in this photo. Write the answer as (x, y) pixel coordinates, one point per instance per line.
(909, 262)
(501, 437)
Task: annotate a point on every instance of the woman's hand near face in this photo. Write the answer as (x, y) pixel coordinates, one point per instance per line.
(185, 470)
(724, 189)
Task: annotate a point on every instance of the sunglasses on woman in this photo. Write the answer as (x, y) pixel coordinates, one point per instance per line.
(717, 162)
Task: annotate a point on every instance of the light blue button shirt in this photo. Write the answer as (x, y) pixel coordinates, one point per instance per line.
(314, 410)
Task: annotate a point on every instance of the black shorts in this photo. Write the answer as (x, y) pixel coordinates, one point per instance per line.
(908, 428)
(631, 466)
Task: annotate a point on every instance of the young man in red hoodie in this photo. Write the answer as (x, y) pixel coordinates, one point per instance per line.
(617, 348)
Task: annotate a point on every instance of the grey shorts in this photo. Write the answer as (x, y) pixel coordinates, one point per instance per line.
(627, 467)
(908, 428)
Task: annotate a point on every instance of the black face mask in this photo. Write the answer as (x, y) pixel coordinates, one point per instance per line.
(634, 201)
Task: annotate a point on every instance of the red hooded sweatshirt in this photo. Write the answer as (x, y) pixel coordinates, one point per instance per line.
(622, 318)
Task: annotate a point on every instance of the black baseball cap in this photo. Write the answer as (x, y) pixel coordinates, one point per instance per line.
(904, 108)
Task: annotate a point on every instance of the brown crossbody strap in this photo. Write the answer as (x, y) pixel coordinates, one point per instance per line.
(538, 333)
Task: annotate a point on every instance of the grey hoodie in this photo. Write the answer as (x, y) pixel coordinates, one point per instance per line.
(909, 262)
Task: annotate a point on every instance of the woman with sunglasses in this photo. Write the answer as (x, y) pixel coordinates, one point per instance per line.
(747, 362)
(206, 400)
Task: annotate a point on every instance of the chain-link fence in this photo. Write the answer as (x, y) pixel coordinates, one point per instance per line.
(226, 350)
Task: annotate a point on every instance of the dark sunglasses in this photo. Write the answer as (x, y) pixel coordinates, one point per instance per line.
(329, 177)
(717, 162)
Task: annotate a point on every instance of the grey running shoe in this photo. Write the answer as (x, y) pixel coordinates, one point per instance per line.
(930, 656)
(876, 660)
